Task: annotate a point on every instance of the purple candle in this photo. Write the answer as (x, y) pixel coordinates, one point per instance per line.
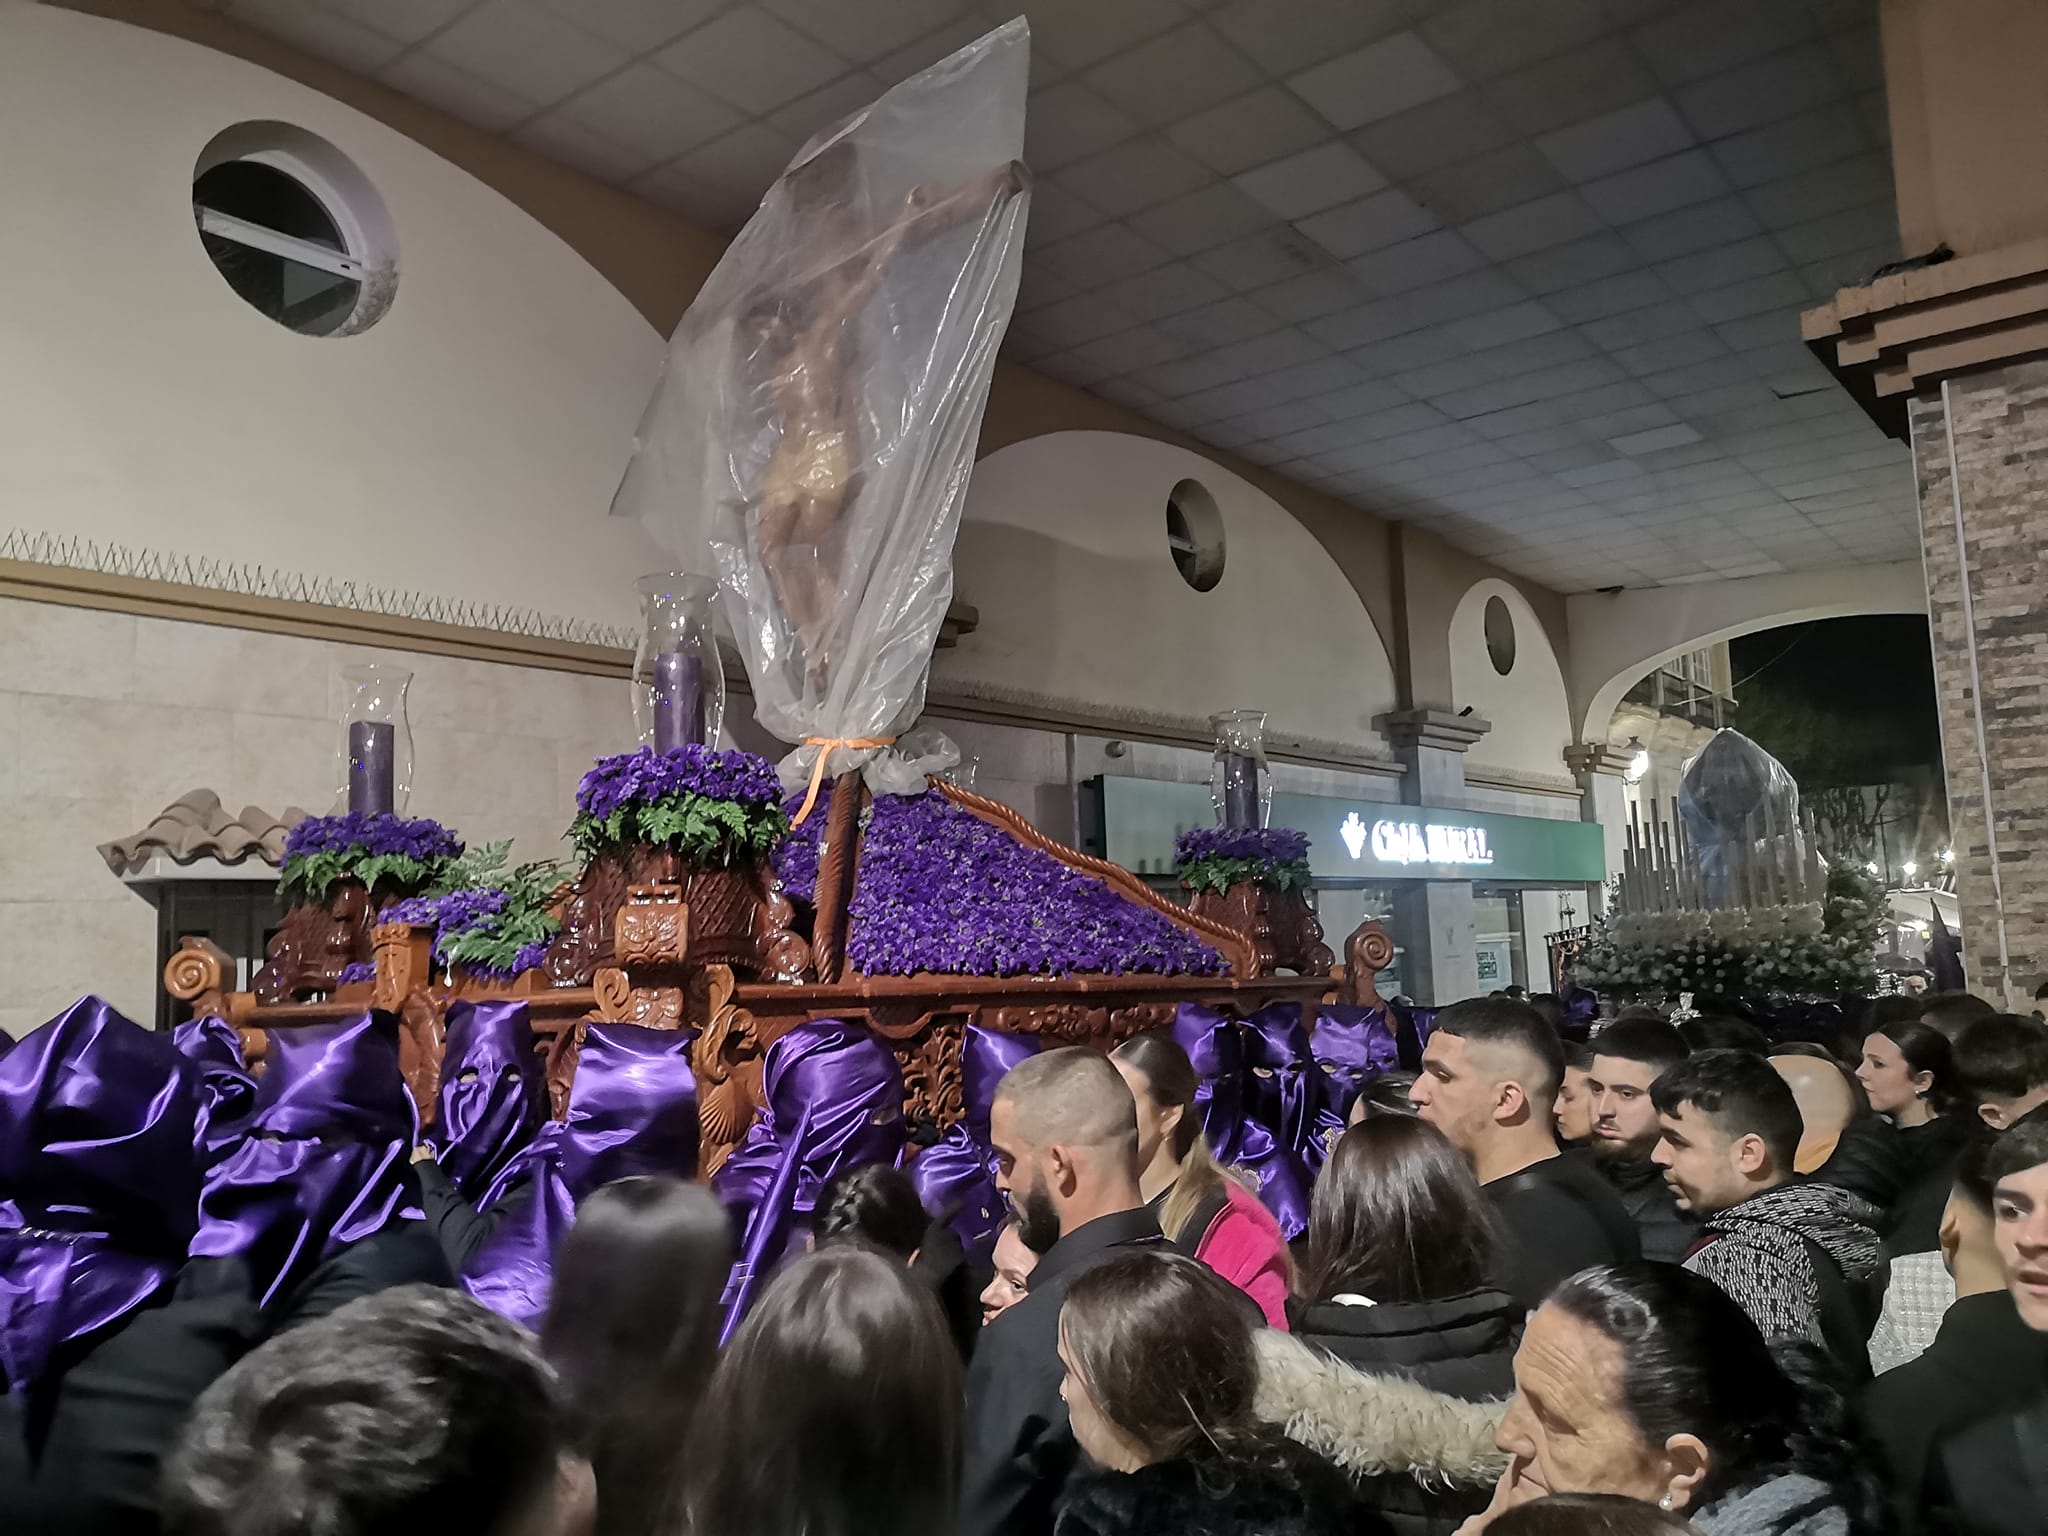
(370, 778)
(678, 701)
(1240, 791)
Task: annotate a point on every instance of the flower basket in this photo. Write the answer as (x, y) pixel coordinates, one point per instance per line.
(697, 818)
(1256, 880)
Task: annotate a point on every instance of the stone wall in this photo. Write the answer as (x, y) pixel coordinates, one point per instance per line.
(1999, 424)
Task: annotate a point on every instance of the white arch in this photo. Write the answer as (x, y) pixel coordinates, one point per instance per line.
(1619, 637)
(1530, 716)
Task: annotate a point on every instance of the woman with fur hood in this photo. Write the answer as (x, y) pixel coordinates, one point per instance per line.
(1161, 1383)
(1200, 1423)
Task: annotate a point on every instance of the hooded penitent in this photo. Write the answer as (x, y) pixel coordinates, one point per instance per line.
(1352, 1046)
(1214, 1042)
(326, 1160)
(834, 1100)
(98, 1185)
(493, 1098)
(227, 1089)
(1287, 1092)
(956, 1176)
(632, 1110)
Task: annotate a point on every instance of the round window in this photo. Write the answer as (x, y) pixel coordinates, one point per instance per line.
(1500, 636)
(295, 228)
(1194, 534)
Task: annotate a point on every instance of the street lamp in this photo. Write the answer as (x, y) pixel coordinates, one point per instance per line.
(1909, 869)
(1872, 867)
(1948, 855)
(1638, 762)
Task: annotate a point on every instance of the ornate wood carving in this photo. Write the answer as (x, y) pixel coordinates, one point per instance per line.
(1366, 953)
(422, 1041)
(727, 1057)
(930, 1060)
(1280, 924)
(317, 940)
(1236, 948)
(838, 857)
(560, 1051)
(200, 973)
(737, 917)
(404, 957)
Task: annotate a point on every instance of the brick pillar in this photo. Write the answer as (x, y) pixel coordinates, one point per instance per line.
(1980, 444)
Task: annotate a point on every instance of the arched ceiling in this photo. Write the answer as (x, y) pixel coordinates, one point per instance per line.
(1528, 271)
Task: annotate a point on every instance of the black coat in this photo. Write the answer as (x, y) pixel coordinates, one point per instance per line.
(1991, 1479)
(1667, 1233)
(80, 1454)
(1983, 1362)
(1927, 1156)
(1463, 1346)
(1561, 1217)
(1277, 1489)
(1020, 1450)
(1867, 1161)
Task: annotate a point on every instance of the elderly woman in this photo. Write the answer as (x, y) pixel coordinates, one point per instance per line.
(1647, 1381)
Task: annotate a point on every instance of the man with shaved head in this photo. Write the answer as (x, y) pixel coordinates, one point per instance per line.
(1065, 1132)
(1489, 1082)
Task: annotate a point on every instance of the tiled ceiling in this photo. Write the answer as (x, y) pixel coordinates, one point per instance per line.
(1527, 271)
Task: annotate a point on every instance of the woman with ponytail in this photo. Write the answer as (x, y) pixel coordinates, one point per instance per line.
(1202, 1208)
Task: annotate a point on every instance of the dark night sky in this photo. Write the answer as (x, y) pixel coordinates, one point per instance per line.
(1877, 669)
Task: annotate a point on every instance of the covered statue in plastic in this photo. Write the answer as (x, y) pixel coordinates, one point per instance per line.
(816, 422)
(1731, 796)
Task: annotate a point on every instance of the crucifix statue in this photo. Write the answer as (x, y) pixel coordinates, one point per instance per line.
(802, 331)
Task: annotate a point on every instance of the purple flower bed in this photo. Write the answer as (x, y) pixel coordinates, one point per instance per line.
(1276, 845)
(796, 861)
(647, 775)
(359, 970)
(457, 909)
(481, 928)
(417, 837)
(942, 890)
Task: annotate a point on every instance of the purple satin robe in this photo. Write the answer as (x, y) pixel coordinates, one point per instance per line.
(956, 1175)
(1287, 1092)
(1214, 1042)
(1352, 1046)
(227, 1090)
(327, 1158)
(632, 1110)
(98, 1186)
(493, 1097)
(834, 1101)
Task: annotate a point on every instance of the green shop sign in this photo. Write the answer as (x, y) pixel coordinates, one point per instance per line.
(1135, 822)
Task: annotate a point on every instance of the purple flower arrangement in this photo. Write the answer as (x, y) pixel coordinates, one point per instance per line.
(354, 971)
(717, 809)
(489, 930)
(941, 890)
(1216, 858)
(409, 854)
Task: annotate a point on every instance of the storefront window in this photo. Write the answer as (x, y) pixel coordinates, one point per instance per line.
(1498, 950)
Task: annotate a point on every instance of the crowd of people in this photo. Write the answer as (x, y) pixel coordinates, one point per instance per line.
(1737, 1276)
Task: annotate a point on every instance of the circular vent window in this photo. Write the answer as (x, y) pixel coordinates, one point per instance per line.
(295, 228)
(1194, 535)
(1500, 636)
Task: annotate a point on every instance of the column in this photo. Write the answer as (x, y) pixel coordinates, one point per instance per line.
(1433, 918)
(1599, 767)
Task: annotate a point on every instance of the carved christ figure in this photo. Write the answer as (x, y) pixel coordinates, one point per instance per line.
(804, 336)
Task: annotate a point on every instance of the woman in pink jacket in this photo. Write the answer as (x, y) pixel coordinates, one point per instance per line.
(1201, 1207)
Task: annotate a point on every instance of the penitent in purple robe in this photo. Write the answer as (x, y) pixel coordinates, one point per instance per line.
(1214, 1042)
(956, 1175)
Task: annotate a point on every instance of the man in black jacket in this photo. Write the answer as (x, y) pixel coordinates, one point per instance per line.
(1984, 1361)
(1991, 1478)
(1489, 1082)
(1065, 1133)
(1628, 1056)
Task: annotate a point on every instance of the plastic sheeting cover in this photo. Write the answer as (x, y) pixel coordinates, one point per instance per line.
(1733, 792)
(814, 428)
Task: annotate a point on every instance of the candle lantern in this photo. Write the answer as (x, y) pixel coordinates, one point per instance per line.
(1238, 786)
(375, 767)
(678, 684)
